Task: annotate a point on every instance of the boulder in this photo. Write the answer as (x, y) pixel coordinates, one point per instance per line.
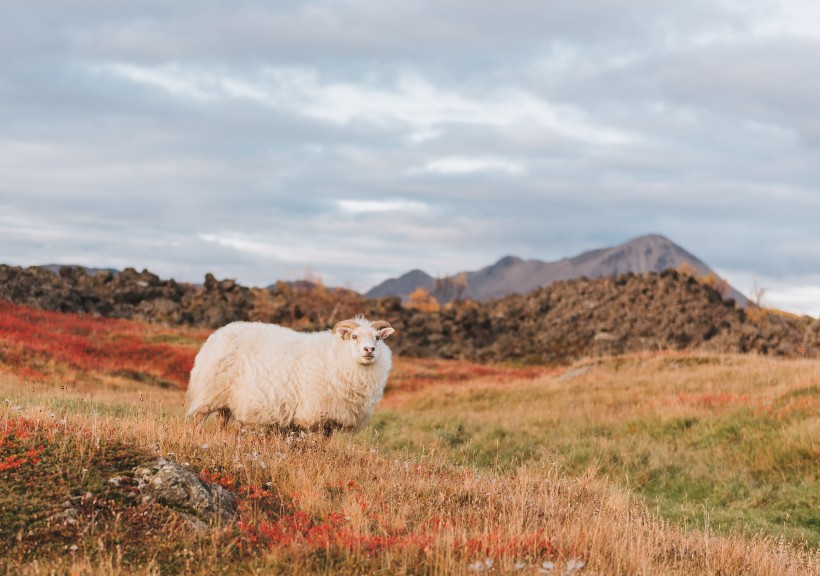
(177, 487)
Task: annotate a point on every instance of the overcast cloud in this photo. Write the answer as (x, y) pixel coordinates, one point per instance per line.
(358, 139)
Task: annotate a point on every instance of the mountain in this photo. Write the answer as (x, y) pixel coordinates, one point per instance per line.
(651, 253)
(403, 285)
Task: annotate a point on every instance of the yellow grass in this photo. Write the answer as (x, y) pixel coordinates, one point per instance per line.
(410, 472)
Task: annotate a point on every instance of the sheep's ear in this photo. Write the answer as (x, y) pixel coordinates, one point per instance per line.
(344, 328)
(385, 332)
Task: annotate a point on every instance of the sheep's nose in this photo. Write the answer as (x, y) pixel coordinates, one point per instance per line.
(369, 350)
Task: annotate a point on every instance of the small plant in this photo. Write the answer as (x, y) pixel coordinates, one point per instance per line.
(421, 300)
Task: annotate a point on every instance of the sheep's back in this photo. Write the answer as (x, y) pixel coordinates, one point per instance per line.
(259, 370)
(266, 374)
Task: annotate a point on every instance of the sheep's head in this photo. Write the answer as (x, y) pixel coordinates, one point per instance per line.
(364, 338)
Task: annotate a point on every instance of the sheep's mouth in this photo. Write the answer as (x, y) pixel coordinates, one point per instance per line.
(368, 358)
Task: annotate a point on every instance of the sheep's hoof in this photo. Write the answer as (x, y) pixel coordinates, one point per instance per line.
(224, 415)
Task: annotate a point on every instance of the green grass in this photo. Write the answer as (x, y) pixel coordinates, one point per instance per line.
(728, 442)
(50, 469)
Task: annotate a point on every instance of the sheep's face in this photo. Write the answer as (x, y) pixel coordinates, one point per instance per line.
(364, 342)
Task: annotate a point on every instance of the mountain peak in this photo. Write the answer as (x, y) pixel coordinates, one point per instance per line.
(511, 274)
(403, 285)
(653, 237)
(508, 261)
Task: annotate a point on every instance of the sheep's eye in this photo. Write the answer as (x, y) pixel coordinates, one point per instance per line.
(378, 337)
(354, 337)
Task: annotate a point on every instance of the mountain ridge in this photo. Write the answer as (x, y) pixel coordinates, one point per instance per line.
(514, 275)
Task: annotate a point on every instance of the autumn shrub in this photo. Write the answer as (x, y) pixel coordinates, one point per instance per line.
(36, 344)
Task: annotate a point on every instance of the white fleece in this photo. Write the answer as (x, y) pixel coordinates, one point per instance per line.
(269, 375)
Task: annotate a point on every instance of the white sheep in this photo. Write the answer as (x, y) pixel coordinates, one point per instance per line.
(264, 374)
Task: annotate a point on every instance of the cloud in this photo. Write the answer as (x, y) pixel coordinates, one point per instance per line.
(795, 18)
(251, 139)
(795, 293)
(353, 33)
(803, 299)
(461, 165)
(380, 206)
(412, 102)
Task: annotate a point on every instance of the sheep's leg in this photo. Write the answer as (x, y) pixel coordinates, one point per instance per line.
(199, 419)
(328, 427)
(224, 417)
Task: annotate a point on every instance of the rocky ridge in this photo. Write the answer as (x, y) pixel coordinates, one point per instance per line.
(558, 323)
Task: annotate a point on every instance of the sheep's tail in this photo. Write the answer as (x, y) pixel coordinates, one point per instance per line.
(191, 401)
(192, 409)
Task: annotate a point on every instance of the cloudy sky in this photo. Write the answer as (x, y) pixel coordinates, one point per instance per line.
(358, 139)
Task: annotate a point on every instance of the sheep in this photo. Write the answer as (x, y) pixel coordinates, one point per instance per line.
(268, 375)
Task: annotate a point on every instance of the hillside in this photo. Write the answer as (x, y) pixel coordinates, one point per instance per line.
(512, 275)
(661, 464)
(562, 322)
(628, 313)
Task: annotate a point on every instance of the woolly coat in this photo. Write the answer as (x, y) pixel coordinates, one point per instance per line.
(269, 375)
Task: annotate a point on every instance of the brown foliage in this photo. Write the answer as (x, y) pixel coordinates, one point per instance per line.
(720, 285)
(422, 301)
(450, 288)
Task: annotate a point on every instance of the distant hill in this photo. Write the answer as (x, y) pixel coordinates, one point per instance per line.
(403, 285)
(512, 275)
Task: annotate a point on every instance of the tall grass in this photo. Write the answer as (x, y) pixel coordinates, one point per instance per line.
(735, 436)
(656, 464)
(315, 506)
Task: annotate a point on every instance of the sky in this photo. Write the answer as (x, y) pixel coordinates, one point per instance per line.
(355, 140)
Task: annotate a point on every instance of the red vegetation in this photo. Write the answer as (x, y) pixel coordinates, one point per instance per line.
(411, 374)
(14, 451)
(265, 522)
(224, 480)
(333, 531)
(39, 345)
(32, 341)
(713, 400)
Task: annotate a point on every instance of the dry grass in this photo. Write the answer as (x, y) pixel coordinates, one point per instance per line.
(367, 512)
(732, 438)
(466, 469)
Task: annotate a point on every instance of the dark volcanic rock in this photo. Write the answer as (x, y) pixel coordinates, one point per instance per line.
(811, 339)
(128, 294)
(558, 323)
(576, 318)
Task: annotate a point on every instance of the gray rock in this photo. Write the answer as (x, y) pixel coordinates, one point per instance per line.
(573, 374)
(173, 485)
(68, 515)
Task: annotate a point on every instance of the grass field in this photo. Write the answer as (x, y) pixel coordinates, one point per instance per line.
(648, 464)
(731, 440)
